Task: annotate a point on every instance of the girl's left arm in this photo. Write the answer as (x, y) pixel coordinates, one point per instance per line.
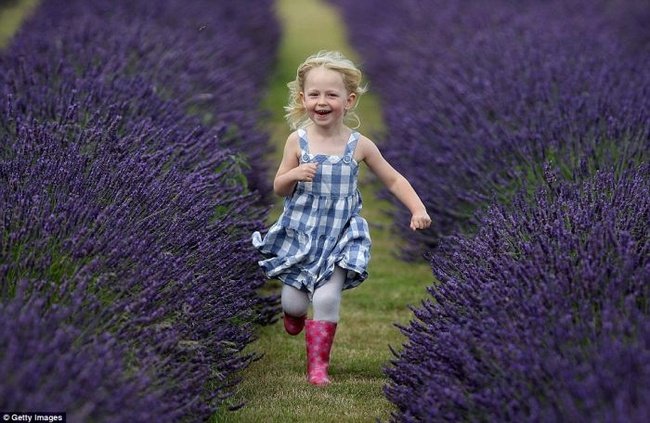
(397, 184)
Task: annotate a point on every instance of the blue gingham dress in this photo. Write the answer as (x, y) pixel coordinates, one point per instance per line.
(320, 226)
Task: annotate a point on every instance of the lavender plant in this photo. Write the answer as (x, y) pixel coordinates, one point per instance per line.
(124, 127)
(49, 360)
(204, 70)
(543, 315)
(478, 95)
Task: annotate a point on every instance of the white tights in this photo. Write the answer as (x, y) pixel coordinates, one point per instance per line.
(326, 299)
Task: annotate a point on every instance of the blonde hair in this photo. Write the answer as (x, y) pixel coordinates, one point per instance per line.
(296, 114)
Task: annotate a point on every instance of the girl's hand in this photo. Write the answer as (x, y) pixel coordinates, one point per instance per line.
(420, 220)
(305, 172)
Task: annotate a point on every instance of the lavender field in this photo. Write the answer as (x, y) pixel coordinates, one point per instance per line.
(126, 131)
(525, 128)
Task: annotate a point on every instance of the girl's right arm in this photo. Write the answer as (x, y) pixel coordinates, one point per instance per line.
(291, 171)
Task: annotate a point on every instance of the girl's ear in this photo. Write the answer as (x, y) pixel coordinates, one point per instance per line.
(352, 98)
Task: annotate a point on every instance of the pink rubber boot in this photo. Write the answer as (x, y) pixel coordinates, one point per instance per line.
(293, 325)
(319, 335)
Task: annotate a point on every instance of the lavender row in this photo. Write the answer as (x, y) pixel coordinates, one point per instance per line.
(541, 316)
(206, 71)
(125, 268)
(477, 96)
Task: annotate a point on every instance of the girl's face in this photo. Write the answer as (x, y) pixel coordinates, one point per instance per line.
(325, 98)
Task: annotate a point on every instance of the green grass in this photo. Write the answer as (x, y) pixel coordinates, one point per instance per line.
(11, 16)
(274, 388)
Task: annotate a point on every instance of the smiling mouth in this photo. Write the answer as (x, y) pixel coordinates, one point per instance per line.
(322, 112)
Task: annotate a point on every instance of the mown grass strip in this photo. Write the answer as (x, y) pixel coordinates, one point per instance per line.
(274, 388)
(11, 16)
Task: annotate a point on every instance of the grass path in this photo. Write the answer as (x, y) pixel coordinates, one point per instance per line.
(274, 388)
(11, 16)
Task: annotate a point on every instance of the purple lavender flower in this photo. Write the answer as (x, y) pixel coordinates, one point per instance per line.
(542, 315)
(50, 360)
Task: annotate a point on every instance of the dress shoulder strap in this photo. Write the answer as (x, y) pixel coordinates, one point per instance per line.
(302, 139)
(352, 144)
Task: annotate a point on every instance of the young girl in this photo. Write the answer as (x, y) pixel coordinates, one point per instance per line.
(320, 245)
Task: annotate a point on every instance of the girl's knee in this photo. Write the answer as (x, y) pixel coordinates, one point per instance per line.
(294, 301)
(326, 305)
(327, 300)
